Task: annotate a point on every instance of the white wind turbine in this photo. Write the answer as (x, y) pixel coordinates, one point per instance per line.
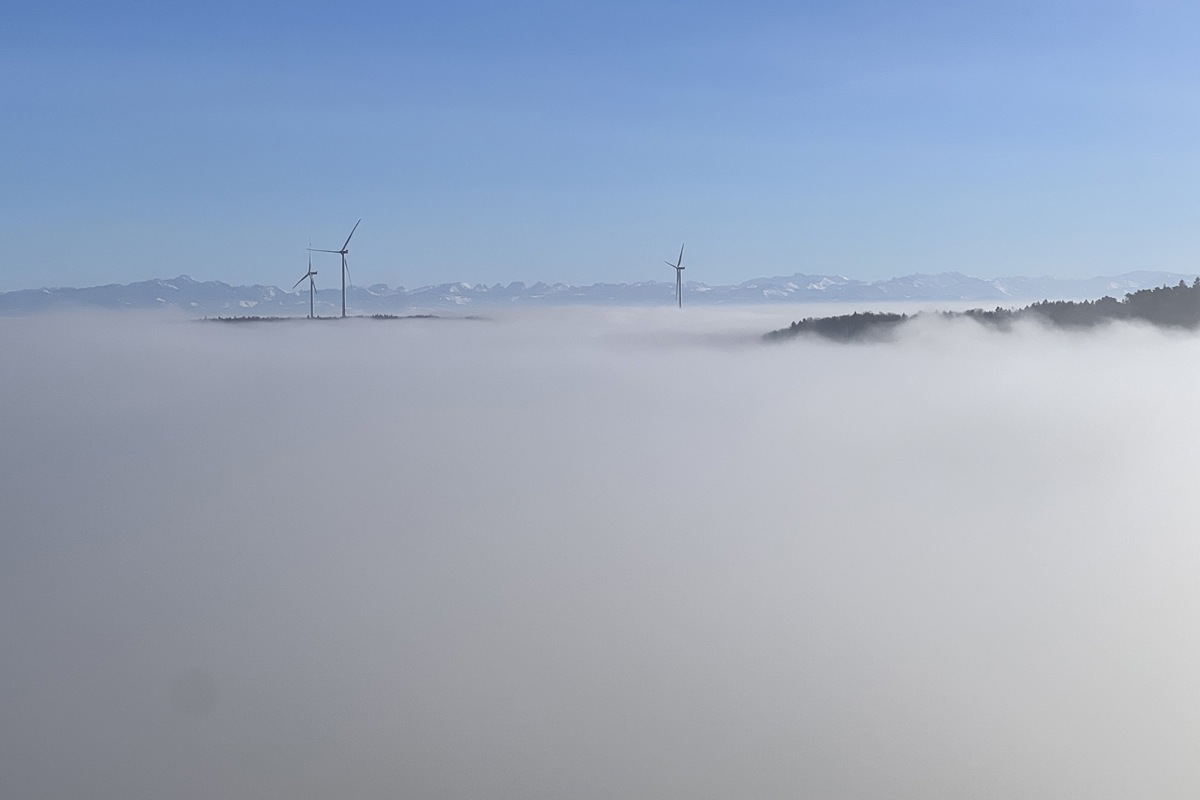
(679, 268)
(312, 286)
(345, 269)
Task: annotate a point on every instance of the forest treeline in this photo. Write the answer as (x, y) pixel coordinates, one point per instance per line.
(1166, 306)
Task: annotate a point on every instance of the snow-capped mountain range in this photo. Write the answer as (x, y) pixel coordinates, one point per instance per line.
(217, 298)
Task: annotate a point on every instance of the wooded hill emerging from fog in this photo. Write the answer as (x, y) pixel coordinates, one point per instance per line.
(1167, 306)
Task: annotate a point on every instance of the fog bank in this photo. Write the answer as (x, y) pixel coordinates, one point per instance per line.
(596, 553)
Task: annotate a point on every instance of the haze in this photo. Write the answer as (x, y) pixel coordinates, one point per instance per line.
(595, 554)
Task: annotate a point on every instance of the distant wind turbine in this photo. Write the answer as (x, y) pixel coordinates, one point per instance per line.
(312, 286)
(345, 269)
(679, 268)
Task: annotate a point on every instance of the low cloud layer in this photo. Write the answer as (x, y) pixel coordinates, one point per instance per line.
(596, 554)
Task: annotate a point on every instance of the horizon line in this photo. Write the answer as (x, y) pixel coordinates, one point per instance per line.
(670, 284)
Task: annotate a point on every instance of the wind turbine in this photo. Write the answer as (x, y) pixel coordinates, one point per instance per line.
(312, 286)
(345, 269)
(679, 268)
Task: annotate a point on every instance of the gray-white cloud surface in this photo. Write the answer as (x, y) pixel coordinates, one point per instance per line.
(596, 554)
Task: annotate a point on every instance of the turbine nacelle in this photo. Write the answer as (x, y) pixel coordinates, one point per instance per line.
(308, 275)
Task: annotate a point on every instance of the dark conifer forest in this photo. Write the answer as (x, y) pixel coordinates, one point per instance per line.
(1166, 306)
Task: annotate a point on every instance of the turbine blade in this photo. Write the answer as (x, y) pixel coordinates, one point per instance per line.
(319, 250)
(680, 261)
(352, 230)
(346, 267)
(297, 283)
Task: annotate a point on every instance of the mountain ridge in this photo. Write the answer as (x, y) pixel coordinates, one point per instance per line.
(217, 297)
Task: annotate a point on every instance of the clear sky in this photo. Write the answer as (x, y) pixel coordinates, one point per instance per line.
(582, 142)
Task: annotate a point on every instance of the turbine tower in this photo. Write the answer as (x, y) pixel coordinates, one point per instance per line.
(312, 286)
(679, 268)
(345, 269)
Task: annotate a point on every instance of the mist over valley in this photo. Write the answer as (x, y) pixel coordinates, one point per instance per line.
(596, 553)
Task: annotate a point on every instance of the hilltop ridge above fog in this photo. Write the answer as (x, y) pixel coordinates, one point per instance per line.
(1165, 306)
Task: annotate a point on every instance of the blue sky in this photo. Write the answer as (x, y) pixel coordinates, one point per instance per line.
(582, 142)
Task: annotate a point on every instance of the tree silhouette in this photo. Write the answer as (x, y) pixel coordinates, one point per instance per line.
(1166, 306)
